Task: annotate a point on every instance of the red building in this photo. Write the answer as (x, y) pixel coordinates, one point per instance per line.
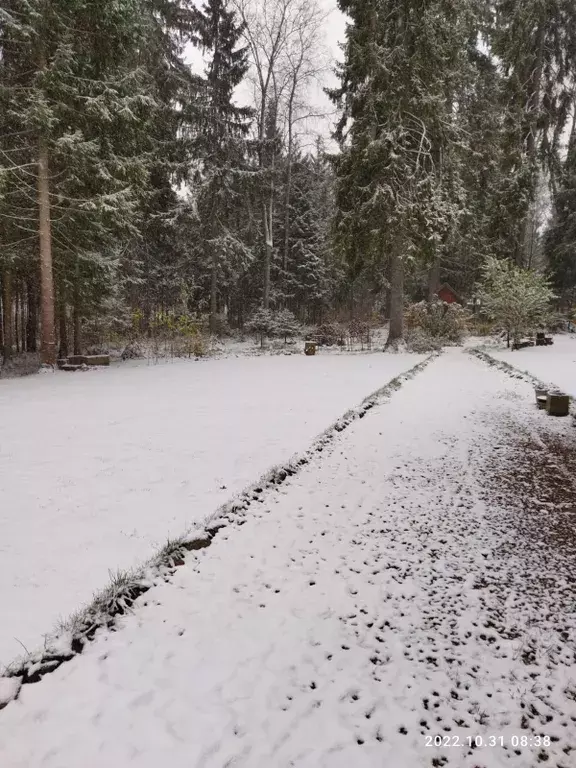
(448, 294)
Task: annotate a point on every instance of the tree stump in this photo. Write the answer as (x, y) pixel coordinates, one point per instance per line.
(310, 348)
(557, 404)
(541, 396)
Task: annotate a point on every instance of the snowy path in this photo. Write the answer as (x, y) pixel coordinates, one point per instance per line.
(392, 592)
(98, 469)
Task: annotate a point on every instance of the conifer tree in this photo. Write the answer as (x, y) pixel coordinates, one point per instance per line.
(535, 44)
(394, 183)
(81, 99)
(222, 130)
(560, 243)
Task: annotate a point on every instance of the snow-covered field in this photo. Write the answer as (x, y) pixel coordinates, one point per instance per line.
(403, 601)
(98, 469)
(552, 365)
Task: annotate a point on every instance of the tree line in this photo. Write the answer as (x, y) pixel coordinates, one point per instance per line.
(135, 190)
(453, 117)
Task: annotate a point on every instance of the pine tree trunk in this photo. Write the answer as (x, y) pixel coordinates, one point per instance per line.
(396, 333)
(16, 334)
(214, 292)
(23, 311)
(287, 212)
(32, 318)
(288, 189)
(7, 341)
(48, 336)
(267, 254)
(63, 350)
(532, 108)
(77, 313)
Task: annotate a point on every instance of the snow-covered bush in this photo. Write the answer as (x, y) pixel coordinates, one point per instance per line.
(481, 326)
(262, 324)
(359, 332)
(286, 324)
(438, 320)
(517, 300)
(328, 334)
(420, 341)
(132, 351)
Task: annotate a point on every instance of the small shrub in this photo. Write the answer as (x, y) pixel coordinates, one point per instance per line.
(438, 320)
(480, 327)
(420, 341)
(359, 332)
(328, 334)
(199, 347)
(286, 324)
(132, 351)
(262, 324)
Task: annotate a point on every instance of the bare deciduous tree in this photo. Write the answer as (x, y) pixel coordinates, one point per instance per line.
(284, 38)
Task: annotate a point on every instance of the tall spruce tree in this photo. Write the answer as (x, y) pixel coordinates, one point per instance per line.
(535, 45)
(402, 65)
(560, 243)
(222, 130)
(81, 99)
(307, 282)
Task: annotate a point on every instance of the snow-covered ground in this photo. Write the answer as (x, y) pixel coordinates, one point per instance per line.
(552, 365)
(403, 588)
(97, 469)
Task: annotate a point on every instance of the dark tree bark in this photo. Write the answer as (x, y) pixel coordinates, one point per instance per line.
(16, 332)
(63, 350)
(268, 248)
(7, 341)
(32, 316)
(48, 335)
(396, 333)
(214, 291)
(77, 313)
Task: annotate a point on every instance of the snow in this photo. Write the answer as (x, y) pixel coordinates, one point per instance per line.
(9, 688)
(377, 599)
(98, 469)
(555, 364)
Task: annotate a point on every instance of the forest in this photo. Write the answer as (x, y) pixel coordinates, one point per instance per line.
(141, 195)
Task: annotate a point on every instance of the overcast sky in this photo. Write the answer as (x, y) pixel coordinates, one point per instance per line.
(334, 34)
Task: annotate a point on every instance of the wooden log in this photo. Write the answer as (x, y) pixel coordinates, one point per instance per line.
(70, 367)
(557, 404)
(97, 359)
(77, 360)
